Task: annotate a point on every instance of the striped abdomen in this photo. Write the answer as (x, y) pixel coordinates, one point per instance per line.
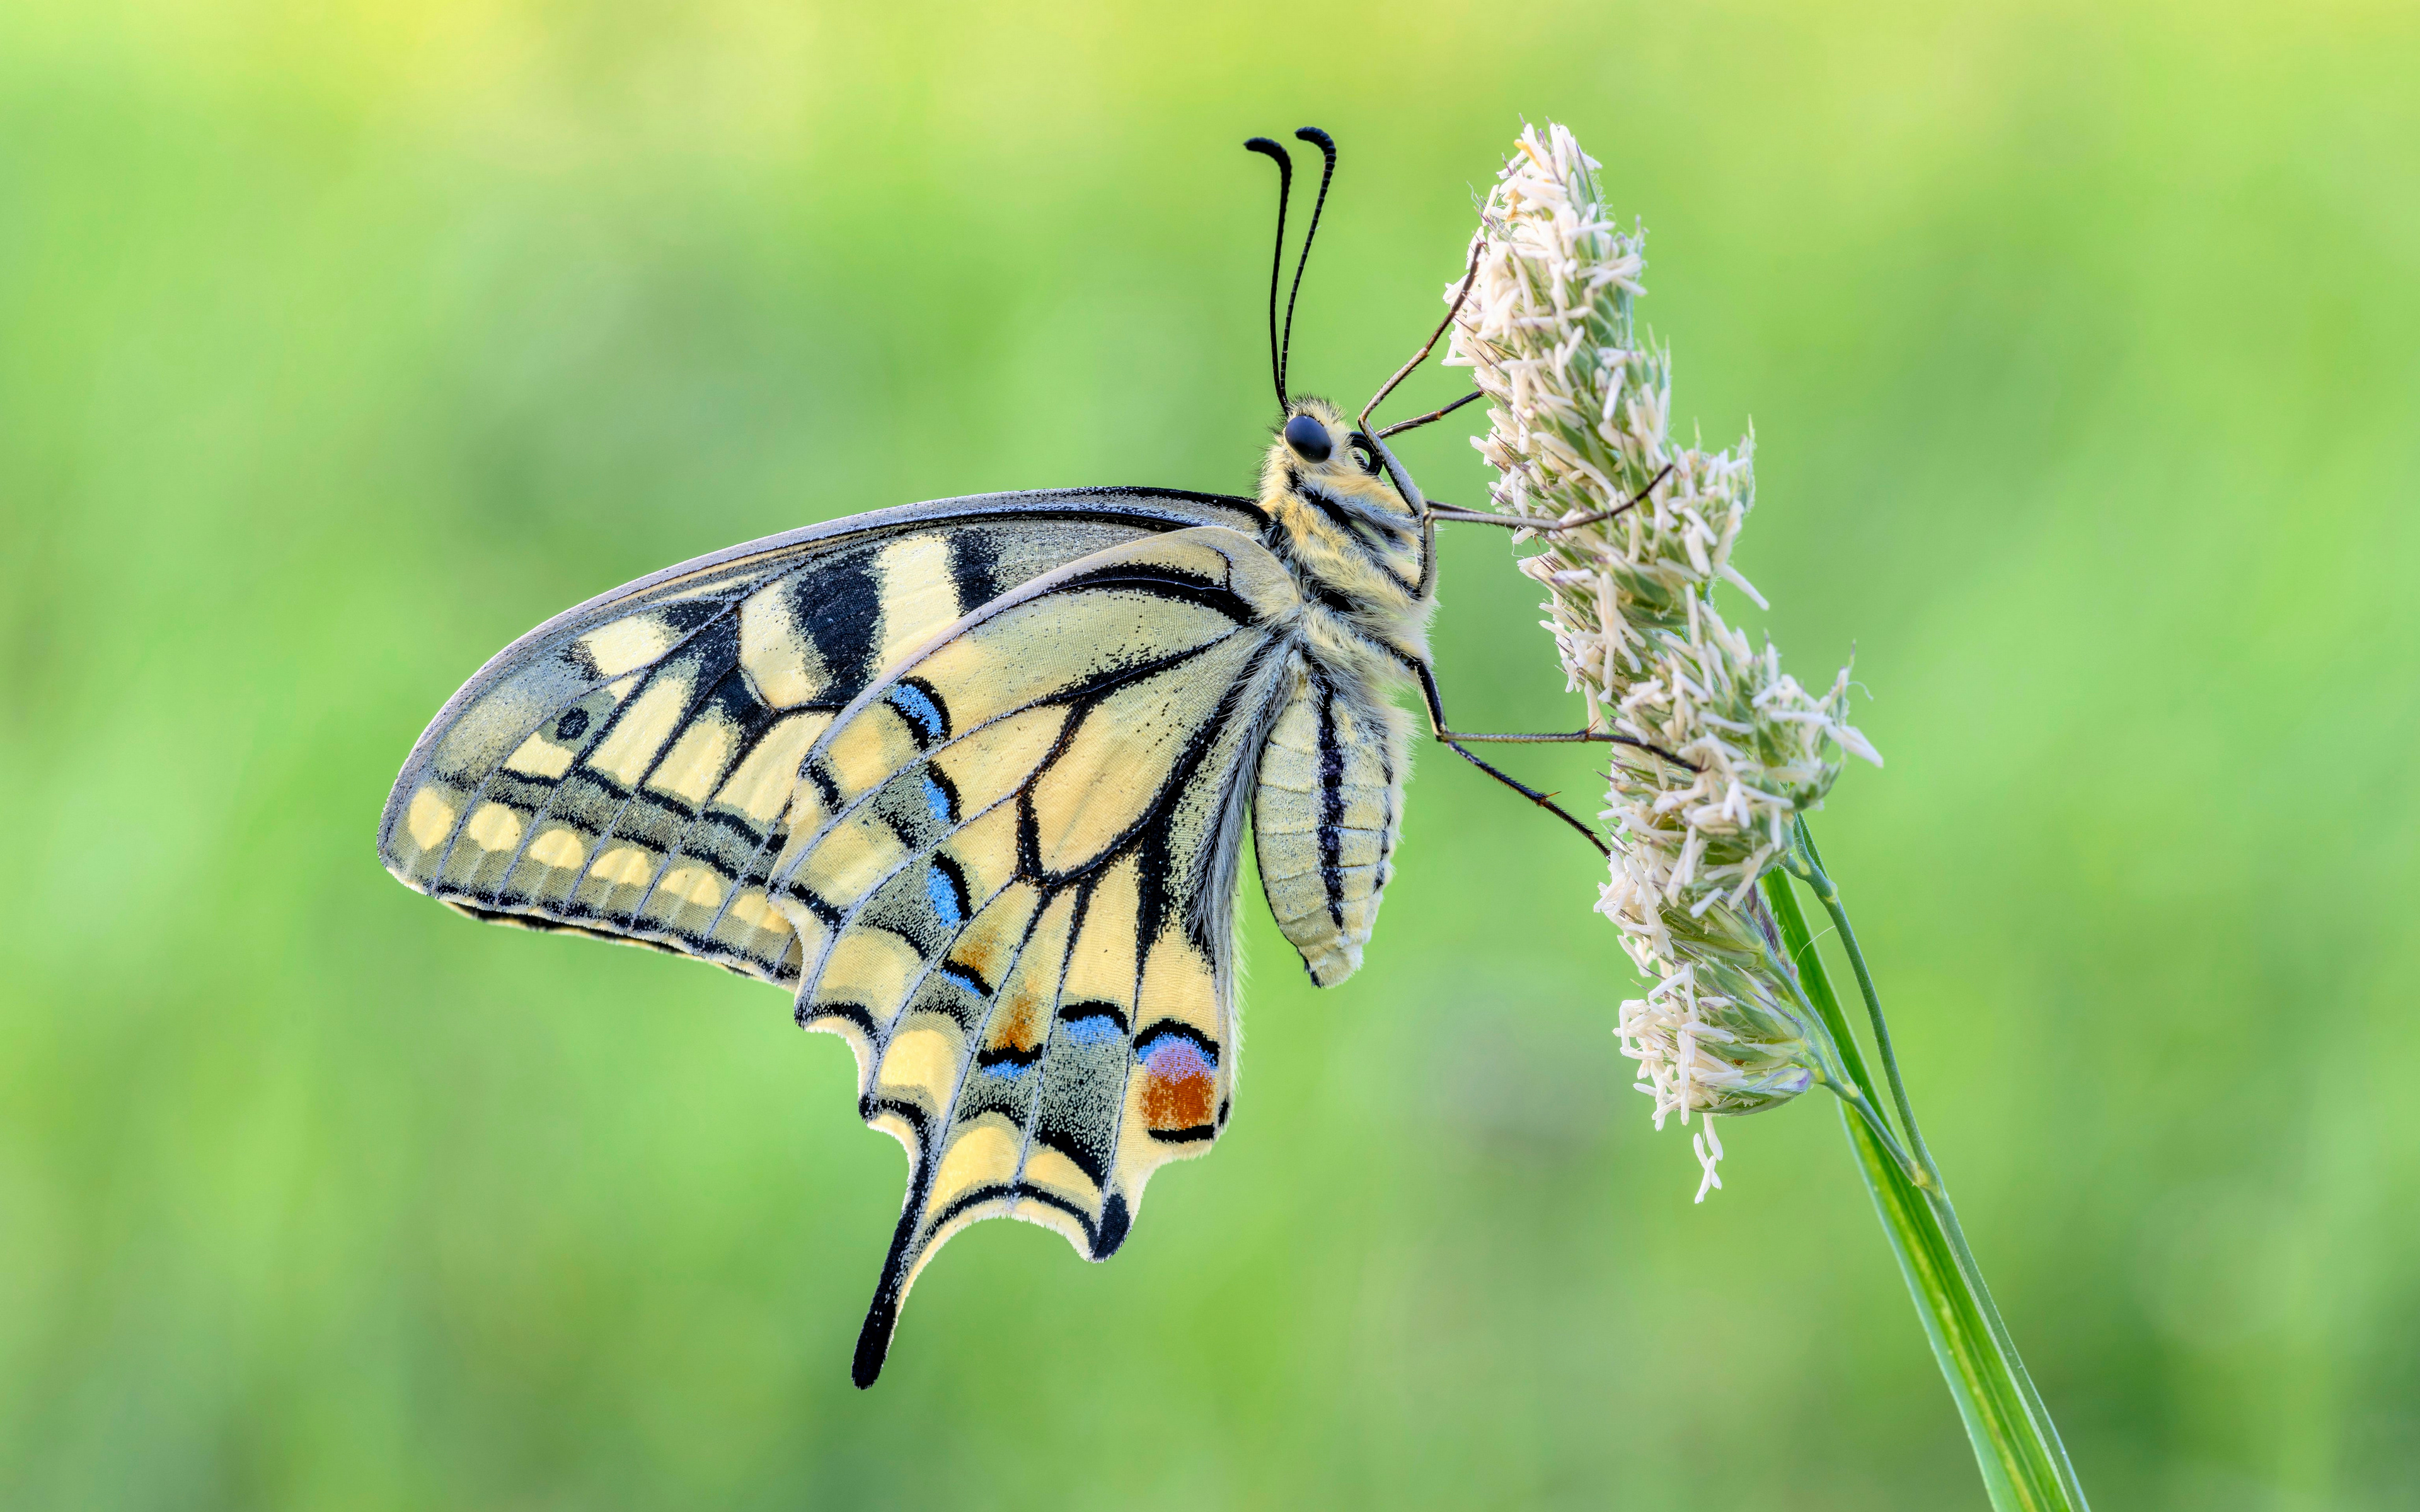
(1325, 816)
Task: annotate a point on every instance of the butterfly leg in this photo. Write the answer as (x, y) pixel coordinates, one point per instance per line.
(1362, 424)
(1448, 513)
(1445, 732)
(1543, 801)
(1433, 415)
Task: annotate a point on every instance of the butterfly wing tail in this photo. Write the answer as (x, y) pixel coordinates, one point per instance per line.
(882, 1316)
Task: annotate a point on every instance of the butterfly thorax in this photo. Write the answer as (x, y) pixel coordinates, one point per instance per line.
(1353, 545)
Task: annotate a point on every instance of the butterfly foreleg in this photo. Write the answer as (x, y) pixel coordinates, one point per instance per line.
(1450, 515)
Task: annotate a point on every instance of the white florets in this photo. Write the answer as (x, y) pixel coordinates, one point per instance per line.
(1580, 426)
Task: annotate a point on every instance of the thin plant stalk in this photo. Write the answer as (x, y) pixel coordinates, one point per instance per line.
(2025, 1466)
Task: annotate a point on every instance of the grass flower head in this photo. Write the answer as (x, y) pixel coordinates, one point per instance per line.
(1720, 754)
(1581, 432)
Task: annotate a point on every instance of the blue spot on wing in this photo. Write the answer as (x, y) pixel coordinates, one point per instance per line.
(1095, 1029)
(937, 799)
(921, 709)
(942, 889)
(1177, 1055)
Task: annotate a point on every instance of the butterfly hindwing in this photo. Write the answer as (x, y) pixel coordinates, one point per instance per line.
(625, 769)
(1011, 870)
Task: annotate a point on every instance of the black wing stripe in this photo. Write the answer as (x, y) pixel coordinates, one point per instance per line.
(533, 727)
(1331, 805)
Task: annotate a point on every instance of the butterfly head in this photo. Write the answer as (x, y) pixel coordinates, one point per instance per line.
(1317, 447)
(1346, 511)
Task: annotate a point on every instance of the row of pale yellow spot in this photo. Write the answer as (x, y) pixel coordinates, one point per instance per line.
(1088, 798)
(497, 828)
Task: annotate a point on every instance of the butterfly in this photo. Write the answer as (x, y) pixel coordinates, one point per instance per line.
(972, 779)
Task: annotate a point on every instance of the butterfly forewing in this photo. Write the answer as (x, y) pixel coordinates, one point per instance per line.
(624, 770)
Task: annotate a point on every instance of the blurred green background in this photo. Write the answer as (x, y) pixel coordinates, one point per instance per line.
(341, 343)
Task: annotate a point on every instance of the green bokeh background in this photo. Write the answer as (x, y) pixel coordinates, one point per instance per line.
(341, 343)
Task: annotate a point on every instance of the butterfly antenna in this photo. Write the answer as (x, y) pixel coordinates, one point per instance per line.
(1276, 259)
(1327, 145)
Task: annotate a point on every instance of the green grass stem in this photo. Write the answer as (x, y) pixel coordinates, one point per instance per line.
(2025, 1466)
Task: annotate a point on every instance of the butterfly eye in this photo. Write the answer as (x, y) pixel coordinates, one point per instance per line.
(1307, 437)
